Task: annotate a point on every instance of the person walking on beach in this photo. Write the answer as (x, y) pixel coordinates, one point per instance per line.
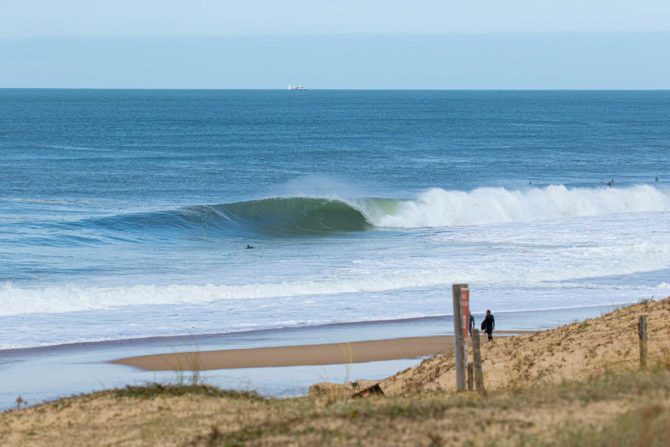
(489, 324)
(472, 325)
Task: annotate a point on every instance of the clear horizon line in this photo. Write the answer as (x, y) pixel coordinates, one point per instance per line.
(270, 89)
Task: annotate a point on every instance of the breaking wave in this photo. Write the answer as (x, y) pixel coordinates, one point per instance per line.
(440, 208)
(292, 216)
(274, 216)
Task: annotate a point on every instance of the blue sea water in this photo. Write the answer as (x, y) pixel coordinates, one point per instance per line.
(127, 213)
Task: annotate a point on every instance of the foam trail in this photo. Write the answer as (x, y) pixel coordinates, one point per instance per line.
(72, 298)
(440, 208)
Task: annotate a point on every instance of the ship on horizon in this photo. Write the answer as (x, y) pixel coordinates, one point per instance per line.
(296, 87)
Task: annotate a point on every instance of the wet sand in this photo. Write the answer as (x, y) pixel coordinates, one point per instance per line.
(302, 355)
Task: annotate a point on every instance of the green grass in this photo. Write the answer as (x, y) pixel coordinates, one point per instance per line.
(153, 390)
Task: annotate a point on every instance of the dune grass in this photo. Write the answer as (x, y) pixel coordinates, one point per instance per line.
(625, 407)
(630, 408)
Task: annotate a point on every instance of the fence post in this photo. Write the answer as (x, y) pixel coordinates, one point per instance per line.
(642, 334)
(477, 362)
(458, 336)
(470, 377)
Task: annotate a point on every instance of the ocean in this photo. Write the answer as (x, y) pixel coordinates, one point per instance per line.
(128, 213)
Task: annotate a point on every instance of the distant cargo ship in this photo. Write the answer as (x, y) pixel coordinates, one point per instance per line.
(296, 87)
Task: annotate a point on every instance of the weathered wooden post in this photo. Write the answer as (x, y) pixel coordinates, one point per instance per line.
(477, 363)
(458, 292)
(470, 377)
(642, 334)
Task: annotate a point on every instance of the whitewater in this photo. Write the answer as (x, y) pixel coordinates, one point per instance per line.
(357, 206)
(440, 208)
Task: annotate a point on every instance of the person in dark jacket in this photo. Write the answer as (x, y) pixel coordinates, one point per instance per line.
(472, 325)
(489, 324)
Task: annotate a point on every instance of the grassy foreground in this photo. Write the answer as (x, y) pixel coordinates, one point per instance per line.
(626, 408)
(574, 403)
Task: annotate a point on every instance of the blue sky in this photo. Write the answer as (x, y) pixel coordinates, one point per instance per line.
(335, 44)
(91, 18)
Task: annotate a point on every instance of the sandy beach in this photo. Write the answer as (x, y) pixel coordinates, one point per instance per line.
(321, 354)
(301, 355)
(271, 362)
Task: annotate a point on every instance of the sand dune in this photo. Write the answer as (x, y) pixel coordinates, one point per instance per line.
(571, 352)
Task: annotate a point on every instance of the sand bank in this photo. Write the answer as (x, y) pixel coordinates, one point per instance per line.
(302, 355)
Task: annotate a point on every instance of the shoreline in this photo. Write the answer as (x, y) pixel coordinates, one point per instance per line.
(85, 367)
(443, 321)
(265, 331)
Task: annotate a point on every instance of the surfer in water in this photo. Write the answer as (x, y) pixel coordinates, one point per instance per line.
(249, 247)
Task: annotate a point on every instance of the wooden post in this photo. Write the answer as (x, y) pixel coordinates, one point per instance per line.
(459, 348)
(642, 333)
(470, 377)
(465, 312)
(477, 362)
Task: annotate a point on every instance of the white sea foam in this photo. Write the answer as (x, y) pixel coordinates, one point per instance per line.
(70, 298)
(441, 208)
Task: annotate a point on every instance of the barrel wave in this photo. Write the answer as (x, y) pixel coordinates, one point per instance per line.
(314, 216)
(299, 216)
(291, 216)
